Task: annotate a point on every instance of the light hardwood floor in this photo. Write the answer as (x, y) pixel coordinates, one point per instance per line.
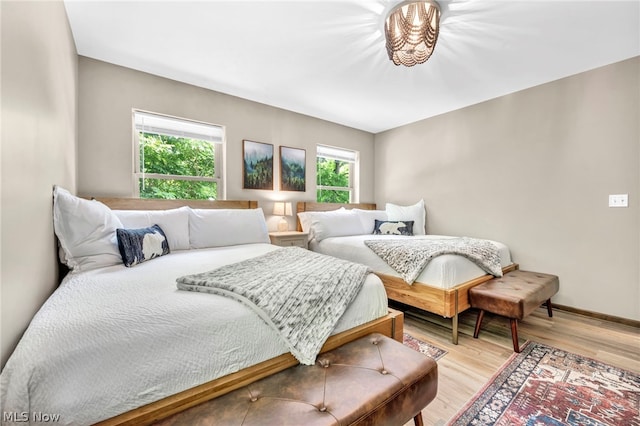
(470, 365)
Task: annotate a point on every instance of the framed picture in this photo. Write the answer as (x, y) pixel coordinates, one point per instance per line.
(257, 166)
(292, 169)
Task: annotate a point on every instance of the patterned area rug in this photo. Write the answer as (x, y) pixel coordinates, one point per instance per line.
(543, 385)
(423, 347)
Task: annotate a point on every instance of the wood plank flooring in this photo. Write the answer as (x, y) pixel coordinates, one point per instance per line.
(472, 363)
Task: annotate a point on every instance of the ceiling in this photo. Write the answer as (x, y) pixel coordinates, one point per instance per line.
(327, 59)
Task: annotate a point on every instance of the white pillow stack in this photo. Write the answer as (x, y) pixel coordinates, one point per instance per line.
(86, 229)
(342, 222)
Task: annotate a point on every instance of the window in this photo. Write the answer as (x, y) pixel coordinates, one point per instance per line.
(336, 177)
(177, 158)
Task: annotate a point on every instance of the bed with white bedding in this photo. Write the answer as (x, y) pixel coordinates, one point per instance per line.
(446, 271)
(440, 288)
(125, 345)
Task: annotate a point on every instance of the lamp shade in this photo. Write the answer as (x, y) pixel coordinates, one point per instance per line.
(282, 209)
(411, 30)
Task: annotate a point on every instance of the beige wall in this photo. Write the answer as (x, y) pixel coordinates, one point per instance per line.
(39, 115)
(534, 169)
(107, 94)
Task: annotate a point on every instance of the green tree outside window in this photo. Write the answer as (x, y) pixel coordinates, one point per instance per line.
(176, 157)
(333, 173)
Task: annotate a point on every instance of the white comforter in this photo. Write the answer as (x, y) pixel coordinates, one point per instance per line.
(110, 340)
(444, 271)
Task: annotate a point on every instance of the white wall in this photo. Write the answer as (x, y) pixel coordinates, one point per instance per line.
(39, 115)
(534, 169)
(107, 94)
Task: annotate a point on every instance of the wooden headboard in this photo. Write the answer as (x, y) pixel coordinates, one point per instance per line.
(305, 206)
(159, 204)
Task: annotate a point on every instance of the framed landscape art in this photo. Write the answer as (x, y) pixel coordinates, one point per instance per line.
(292, 169)
(257, 167)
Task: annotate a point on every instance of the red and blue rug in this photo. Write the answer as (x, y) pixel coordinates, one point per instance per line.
(543, 385)
(423, 347)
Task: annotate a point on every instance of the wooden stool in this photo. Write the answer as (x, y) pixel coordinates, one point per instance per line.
(515, 295)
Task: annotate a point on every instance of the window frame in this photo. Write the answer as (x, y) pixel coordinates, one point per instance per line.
(218, 154)
(350, 156)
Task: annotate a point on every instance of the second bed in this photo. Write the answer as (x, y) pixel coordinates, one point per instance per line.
(441, 288)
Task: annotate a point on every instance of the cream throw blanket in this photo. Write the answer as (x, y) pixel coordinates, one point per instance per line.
(409, 256)
(301, 294)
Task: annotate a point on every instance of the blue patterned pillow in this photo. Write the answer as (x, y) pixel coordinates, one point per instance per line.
(393, 227)
(139, 245)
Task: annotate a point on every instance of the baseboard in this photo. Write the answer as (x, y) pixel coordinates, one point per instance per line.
(626, 321)
(606, 317)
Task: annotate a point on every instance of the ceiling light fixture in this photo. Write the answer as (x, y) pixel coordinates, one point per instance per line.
(411, 30)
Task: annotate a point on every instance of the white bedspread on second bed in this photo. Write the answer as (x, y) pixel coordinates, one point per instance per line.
(444, 271)
(110, 340)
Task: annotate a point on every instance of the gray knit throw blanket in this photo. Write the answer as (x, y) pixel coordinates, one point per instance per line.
(300, 294)
(410, 256)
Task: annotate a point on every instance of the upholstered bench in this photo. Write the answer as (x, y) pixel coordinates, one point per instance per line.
(374, 380)
(514, 295)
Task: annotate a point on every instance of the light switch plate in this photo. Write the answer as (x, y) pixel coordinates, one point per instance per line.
(619, 200)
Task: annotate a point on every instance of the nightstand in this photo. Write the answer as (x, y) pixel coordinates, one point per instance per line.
(289, 238)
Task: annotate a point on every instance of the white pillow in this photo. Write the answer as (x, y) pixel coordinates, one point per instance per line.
(226, 227)
(86, 230)
(416, 213)
(305, 220)
(337, 223)
(368, 218)
(174, 223)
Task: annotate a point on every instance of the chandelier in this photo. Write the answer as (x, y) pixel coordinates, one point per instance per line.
(411, 30)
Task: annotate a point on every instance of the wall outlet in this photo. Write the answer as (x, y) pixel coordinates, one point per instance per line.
(619, 200)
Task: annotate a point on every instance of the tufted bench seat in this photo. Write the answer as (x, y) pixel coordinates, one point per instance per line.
(374, 380)
(514, 295)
